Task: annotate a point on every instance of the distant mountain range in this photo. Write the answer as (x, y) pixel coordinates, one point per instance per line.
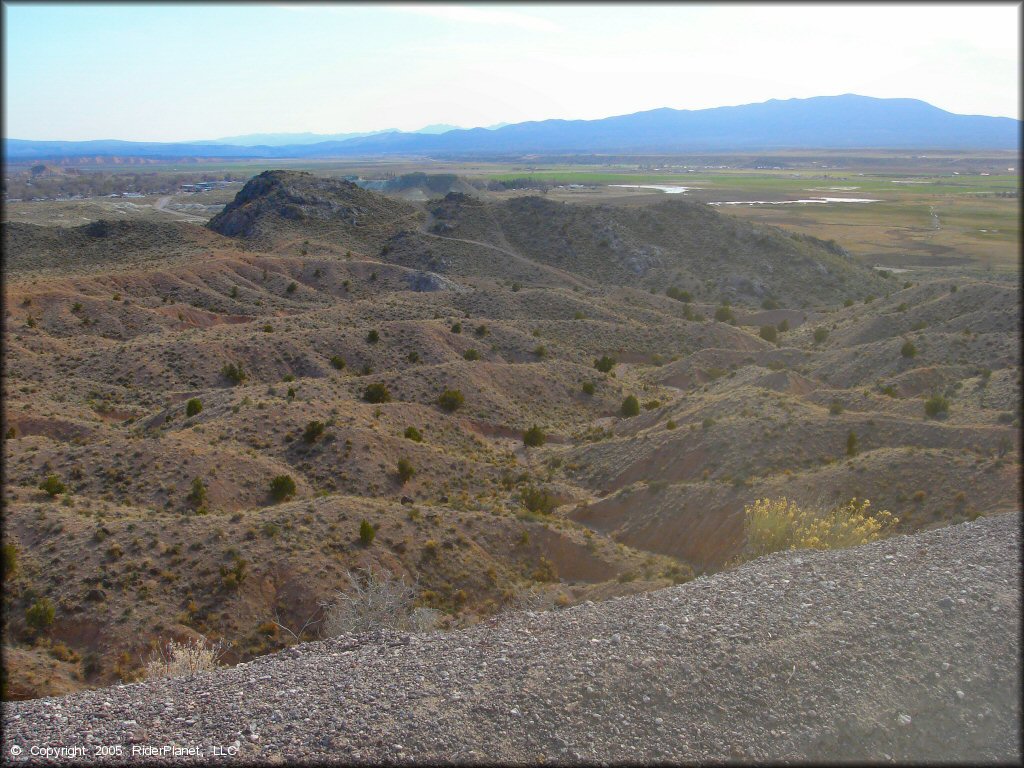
(822, 122)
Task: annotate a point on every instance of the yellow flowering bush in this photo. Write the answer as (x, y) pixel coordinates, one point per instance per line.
(773, 525)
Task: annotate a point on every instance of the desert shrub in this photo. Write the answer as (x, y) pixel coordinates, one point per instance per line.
(376, 393)
(451, 400)
(889, 390)
(367, 533)
(414, 357)
(851, 443)
(481, 331)
(724, 314)
(193, 406)
(405, 470)
(820, 334)
(291, 287)
(337, 362)
(376, 601)
(835, 408)
(588, 388)
(936, 406)
(848, 303)
(605, 364)
(40, 615)
(197, 495)
(10, 557)
(471, 354)
(540, 351)
(268, 328)
(630, 406)
(783, 326)
(52, 485)
(773, 525)
(768, 333)
(282, 487)
(456, 327)
(671, 424)
(650, 405)
(372, 337)
(678, 294)
(414, 434)
(233, 373)
(534, 437)
(769, 304)
(908, 349)
(516, 287)
(313, 430)
(174, 659)
(538, 500)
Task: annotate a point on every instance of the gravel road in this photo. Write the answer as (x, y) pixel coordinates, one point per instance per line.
(906, 649)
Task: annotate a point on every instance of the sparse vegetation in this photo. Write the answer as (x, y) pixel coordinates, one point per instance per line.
(772, 525)
(183, 659)
(376, 600)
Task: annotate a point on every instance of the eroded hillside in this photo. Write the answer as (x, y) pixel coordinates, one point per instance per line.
(317, 325)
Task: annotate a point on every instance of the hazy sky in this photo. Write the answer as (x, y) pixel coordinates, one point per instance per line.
(170, 72)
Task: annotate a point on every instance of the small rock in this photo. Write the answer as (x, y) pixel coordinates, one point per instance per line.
(905, 720)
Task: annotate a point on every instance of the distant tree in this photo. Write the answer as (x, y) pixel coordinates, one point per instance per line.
(366, 533)
(52, 485)
(630, 406)
(197, 496)
(451, 400)
(534, 437)
(376, 393)
(282, 487)
(193, 406)
(233, 373)
(313, 430)
(405, 470)
(605, 364)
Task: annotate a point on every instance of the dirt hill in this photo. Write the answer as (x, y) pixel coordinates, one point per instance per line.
(905, 650)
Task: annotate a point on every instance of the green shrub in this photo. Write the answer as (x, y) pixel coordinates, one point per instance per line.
(451, 400)
(820, 334)
(783, 326)
(671, 424)
(268, 328)
(52, 485)
(848, 303)
(414, 357)
(678, 294)
(630, 406)
(768, 333)
(605, 364)
(197, 496)
(405, 470)
(292, 286)
(414, 434)
(41, 614)
(936, 406)
(233, 373)
(908, 349)
(193, 406)
(851, 444)
(534, 437)
(471, 354)
(537, 500)
(724, 314)
(456, 327)
(588, 388)
(540, 351)
(372, 337)
(313, 430)
(10, 557)
(282, 487)
(835, 408)
(769, 304)
(481, 331)
(377, 393)
(337, 362)
(366, 533)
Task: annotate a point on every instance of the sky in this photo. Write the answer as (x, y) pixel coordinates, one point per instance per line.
(163, 72)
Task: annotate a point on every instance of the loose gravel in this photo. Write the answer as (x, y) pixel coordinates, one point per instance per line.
(905, 649)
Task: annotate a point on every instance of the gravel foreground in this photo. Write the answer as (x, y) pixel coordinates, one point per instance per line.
(903, 650)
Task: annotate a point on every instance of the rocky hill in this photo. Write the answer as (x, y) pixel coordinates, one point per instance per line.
(903, 650)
